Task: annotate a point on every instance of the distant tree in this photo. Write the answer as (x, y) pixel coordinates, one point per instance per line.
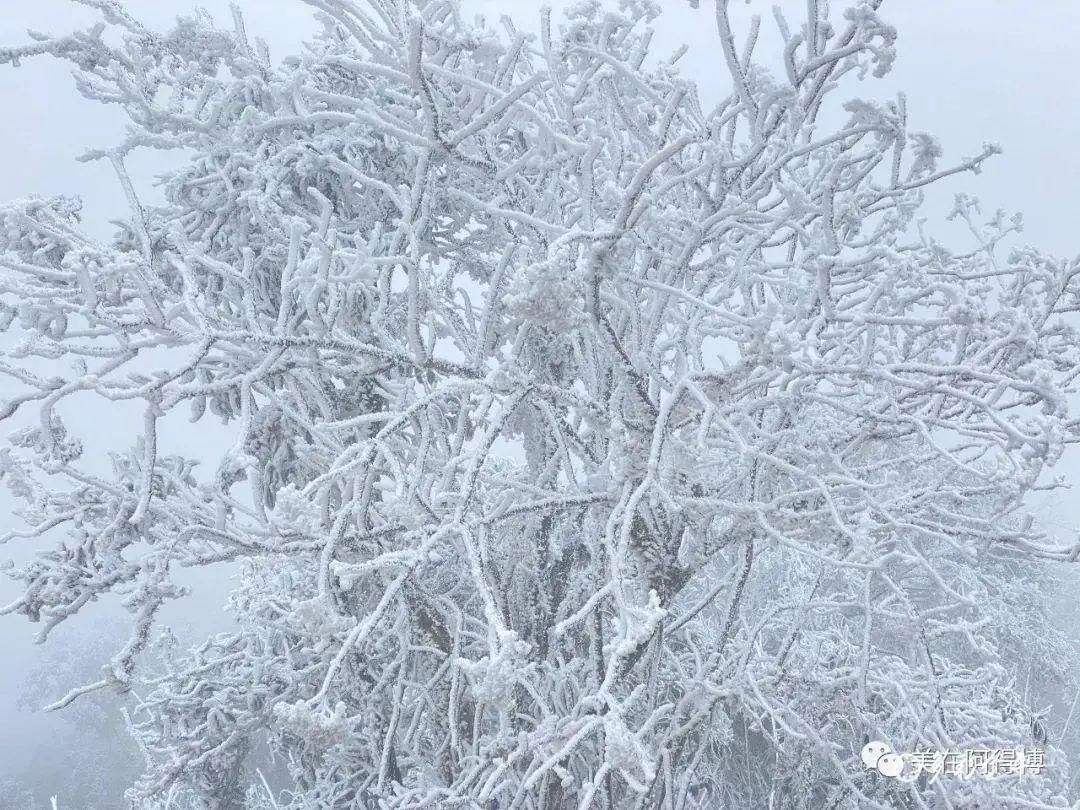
(86, 752)
(601, 450)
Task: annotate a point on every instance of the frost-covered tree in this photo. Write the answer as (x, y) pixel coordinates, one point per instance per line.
(598, 450)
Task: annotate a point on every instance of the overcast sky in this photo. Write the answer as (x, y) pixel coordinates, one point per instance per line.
(973, 71)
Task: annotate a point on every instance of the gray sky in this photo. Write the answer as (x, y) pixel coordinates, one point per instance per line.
(973, 70)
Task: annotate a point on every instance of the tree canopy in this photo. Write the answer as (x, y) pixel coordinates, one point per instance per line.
(592, 448)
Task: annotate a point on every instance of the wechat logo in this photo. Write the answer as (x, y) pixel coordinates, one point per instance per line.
(879, 756)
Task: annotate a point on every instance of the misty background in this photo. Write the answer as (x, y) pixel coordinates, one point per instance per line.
(973, 71)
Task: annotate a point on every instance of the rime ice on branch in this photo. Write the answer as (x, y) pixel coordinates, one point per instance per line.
(593, 449)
